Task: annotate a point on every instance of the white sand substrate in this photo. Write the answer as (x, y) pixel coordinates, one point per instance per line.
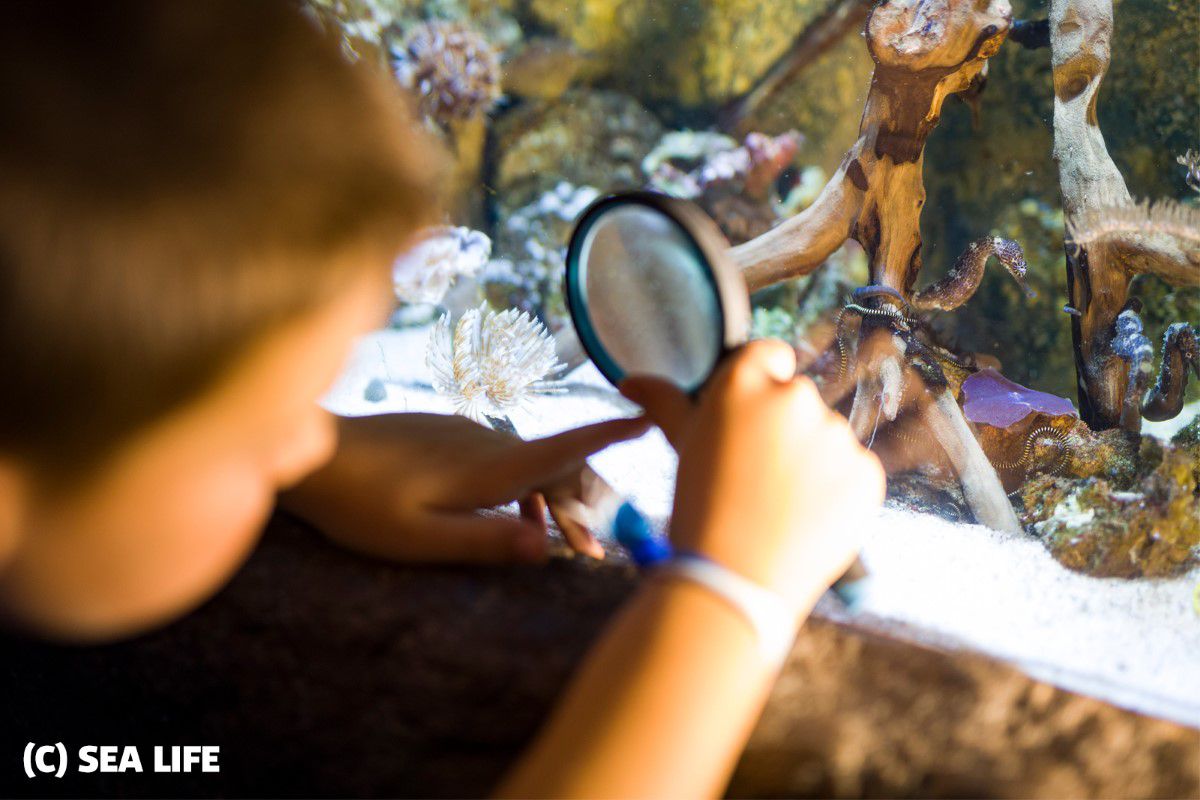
(1132, 643)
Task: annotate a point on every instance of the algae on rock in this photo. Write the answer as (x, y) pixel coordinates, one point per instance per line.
(684, 52)
(1152, 530)
(586, 138)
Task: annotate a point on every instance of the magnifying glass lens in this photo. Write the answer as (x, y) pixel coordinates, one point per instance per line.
(650, 297)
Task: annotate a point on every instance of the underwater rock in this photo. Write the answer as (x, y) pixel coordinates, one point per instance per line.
(376, 391)
(1187, 440)
(425, 272)
(1064, 445)
(682, 53)
(992, 399)
(1188, 436)
(935, 492)
(543, 68)
(453, 71)
(1151, 530)
(586, 138)
(362, 25)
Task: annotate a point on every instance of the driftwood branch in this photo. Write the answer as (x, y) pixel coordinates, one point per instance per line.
(924, 51)
(1099, 268)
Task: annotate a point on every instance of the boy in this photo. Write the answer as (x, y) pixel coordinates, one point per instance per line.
(199, 207)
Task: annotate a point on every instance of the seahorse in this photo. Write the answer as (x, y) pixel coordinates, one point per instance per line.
(963, 279)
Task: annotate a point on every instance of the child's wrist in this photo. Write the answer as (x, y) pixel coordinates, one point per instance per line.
(799, 590)
(771, 617)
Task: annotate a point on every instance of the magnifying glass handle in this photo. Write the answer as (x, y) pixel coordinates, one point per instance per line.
(852, 587)
(647, 547)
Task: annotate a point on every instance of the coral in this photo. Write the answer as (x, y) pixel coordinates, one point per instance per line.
(680, 164)
(1089, 526)
(531, 244)
(425, 272)
(494, 362)
(740, 186)
(360, 24)
(453, 71)
(586, 138)
(689, 164)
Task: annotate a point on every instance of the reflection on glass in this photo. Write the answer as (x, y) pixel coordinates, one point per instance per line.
(650, 298)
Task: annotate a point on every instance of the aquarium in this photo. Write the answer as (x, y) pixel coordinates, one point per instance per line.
(977, 223)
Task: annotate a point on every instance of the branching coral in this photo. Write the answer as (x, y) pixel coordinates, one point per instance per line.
(924, 51)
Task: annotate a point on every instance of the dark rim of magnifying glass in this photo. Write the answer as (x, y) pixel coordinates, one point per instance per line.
(709, 246)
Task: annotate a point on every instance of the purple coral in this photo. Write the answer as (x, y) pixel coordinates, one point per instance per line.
(992, 399)
(452, 69)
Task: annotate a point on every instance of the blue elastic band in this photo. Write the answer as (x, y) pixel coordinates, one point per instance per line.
(635, 533)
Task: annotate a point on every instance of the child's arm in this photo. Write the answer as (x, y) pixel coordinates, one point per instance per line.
(407, 487)
(663, 705)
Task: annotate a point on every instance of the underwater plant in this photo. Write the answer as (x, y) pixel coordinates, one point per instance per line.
(426, 271)
(492, 363)
(1112, 223)
(453, 71)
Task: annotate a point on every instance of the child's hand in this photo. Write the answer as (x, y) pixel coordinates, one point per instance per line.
(408, 486)
(770, 480)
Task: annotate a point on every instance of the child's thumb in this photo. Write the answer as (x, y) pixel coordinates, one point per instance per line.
(666, 404)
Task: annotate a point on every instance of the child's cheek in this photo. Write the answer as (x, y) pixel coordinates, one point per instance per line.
(134, 561)
(214, 525)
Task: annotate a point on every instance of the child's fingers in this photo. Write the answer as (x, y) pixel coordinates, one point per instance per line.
(539, 460)
(471, 538)
(761, 359)
(666, 404)
(570, 517)
(533, 510)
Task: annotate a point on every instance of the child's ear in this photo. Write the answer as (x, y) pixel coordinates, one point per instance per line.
(13, 500)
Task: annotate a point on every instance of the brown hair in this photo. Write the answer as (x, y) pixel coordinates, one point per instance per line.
(176, 178)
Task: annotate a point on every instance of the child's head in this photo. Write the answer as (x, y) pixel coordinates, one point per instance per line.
(198, 209)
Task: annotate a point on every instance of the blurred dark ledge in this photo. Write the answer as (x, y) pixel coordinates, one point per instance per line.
(321, 674)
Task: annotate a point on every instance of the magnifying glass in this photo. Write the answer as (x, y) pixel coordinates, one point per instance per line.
(651, 292)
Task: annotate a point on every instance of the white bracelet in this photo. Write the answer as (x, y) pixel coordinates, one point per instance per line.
(773, 621)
